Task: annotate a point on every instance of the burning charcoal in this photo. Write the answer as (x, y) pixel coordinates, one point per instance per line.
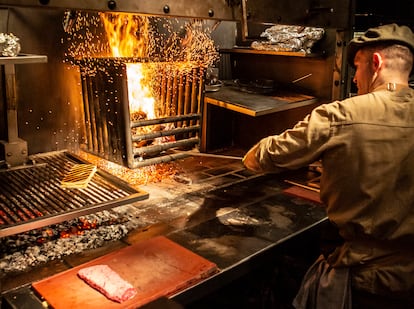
(26, 250)
(47, 233)
(41, 240)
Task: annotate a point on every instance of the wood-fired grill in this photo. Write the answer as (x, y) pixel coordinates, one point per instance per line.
(32, 196)
(35, 199)
(114, 132)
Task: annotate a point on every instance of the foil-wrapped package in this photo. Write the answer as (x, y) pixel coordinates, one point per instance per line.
(285, 38)
(9, 45)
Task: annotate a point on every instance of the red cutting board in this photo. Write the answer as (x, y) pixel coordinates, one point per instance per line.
(155, 267)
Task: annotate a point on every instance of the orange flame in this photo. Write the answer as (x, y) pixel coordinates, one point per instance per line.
(139, 94)
(128, 36)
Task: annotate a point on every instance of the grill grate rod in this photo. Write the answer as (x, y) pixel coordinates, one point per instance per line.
(149, 122)
(155, 149)
(173, 132)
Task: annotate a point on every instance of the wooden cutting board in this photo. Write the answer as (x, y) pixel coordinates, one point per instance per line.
(156, 267)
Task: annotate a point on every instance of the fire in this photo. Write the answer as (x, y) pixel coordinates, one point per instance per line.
(179, 47)
(140, 97)
(164, 62)
(128, 37)
(127, 34)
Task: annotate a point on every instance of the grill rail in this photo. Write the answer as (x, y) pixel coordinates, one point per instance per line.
(32, 197)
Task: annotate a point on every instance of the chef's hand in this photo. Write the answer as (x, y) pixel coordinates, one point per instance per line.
(249, 160)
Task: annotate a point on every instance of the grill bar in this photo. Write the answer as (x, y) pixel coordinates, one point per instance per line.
(173, 132)
(35, 200)
(148, 122)
(21, 199)
(149, 150)
(32, 197)
(162, 159)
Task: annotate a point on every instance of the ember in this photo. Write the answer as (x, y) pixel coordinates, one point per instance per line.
(136, 177)
(22, 251)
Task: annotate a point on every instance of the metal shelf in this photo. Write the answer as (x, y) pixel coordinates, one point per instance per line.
(23, 59)
(249, 50)
(257, 104)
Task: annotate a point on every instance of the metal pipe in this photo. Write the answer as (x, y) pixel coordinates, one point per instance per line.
(148, 122)
(180, 99)
(162, 159)
(164, 90)
(156, 149)
(244, 17)
(172, 132)
(174, 98)
(167, 103)
(11, 96)
(193, 108)
(187, 99)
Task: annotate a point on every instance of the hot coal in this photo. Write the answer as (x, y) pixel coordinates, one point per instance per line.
(21, 252)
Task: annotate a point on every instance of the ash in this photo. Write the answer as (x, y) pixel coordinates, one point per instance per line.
(21, 252)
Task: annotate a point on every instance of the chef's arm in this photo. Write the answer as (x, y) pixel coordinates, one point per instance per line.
(250, 161)
(260, 160)
(293, 148)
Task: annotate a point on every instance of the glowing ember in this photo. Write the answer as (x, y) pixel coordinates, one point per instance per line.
(144, 175)
(23, 251)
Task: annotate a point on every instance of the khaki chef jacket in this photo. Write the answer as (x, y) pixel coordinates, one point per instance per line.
(366, 144)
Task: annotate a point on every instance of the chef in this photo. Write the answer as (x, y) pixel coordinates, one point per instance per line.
(366, 146)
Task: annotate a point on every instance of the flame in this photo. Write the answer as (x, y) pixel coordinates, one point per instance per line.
(128, 36)
(134, 38)
(140, 97)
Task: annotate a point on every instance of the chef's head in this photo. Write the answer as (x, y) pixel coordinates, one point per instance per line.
(379, 53)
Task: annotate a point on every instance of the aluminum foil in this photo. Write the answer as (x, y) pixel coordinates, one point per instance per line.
(9, 45)
(289, 38)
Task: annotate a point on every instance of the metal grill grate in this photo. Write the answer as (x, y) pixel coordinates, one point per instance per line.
(32, 197)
